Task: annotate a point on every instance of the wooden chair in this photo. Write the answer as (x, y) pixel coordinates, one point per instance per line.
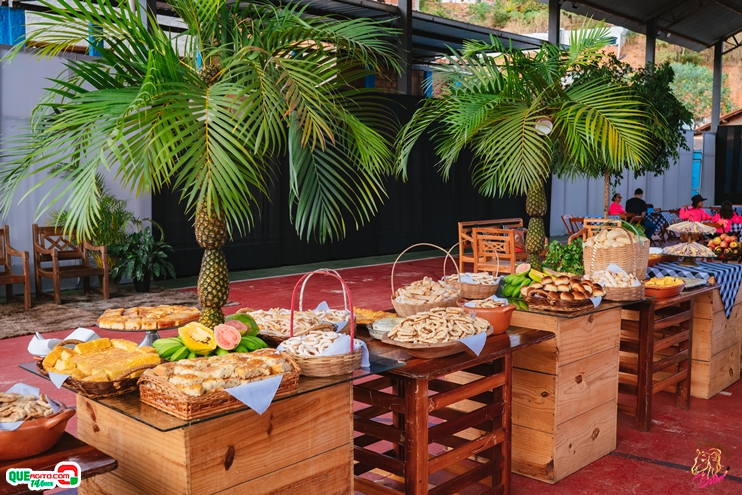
(567, 221)
(51, 246)
(7, 276)
(495, 250)
(466, 238)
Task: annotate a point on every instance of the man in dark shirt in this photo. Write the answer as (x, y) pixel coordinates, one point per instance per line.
(638, 206)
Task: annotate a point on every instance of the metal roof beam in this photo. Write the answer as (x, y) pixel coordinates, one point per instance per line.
(731, 8)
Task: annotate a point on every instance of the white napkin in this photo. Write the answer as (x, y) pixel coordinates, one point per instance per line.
(39, 346)
(57, 378)
(257, 395)
(466, 279)
(596, 301)
(470, 304)
(22, 388)
(323, 306)
(342, 346)
(475, 342)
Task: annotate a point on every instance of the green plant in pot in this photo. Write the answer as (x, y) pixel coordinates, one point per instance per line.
(141, 257)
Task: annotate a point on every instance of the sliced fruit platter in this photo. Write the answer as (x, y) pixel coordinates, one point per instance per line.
(236, 334)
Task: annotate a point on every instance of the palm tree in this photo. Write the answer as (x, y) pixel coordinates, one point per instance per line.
(523, 118)
(205, 112)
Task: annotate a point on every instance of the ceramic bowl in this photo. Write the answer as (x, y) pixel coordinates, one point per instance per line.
(35, 436)
(381, 327)
(664, 292)
(498, 317)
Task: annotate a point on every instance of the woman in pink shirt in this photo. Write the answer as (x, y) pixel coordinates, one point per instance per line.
(695, 212)
(726, 217)
(615, 208)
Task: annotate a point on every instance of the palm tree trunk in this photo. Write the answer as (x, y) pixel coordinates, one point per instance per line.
(606, 191)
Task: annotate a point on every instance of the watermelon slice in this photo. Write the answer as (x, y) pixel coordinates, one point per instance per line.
(250, 325)
(227, 337)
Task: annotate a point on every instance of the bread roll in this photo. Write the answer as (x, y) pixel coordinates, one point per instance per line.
(566, 296)
(563, 288)
(563, 280)
(554, 296)
(550, 288)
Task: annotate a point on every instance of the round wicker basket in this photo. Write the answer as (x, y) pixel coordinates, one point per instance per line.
(472, 291)
(404, 310)
(336, 364)
(633, 258)
(624, 293)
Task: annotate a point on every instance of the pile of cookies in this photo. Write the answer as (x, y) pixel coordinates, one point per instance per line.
(486, 303)
(19, 407)
(425, 291)
(276, 322)
(311, 344)
(438, 325)
(563, 288)
(482, 278)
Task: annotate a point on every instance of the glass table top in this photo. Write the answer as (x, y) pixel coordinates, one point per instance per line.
(131, 406)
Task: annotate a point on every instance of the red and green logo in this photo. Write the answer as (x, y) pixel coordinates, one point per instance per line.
(65, 475)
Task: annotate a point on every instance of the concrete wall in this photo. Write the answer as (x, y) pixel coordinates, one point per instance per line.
(21, 86)
(584, 198)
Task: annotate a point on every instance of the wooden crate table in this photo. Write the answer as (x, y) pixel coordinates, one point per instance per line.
(301, 444)
(717, 325)
(438, 425)
(92, 462)
(565, 392)
(655, 353)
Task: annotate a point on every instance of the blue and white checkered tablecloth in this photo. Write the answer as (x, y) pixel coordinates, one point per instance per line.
(728, 277)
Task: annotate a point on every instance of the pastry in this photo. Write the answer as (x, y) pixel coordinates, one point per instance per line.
(147, 318)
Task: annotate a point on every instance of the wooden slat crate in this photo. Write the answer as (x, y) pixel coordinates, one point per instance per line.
(564, 394)
(716, 342)
(295, 446)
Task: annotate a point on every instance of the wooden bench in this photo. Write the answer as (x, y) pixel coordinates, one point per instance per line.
(50, 245)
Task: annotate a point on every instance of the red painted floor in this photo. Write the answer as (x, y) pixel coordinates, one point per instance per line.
(656, 462)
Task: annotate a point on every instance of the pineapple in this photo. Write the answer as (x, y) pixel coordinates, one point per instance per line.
(209, 73)
(211, 230)
(211, 317)
(213, 280)
(536, 208)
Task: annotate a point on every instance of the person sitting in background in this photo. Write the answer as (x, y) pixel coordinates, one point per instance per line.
(615, 208)
(694, 212)
(726, 217)
(638, 207)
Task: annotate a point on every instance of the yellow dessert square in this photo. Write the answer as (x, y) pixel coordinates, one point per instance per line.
(126, 345)
(88, 347)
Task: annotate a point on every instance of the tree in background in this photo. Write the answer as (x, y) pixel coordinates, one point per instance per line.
(693, 86)
(205, 114)
(523, 115)
(665, 119)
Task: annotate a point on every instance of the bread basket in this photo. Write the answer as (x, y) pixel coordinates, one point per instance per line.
(633, 258)
(473, 291)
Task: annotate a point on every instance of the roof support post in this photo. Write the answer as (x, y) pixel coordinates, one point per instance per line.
(650, 47)
(404, 83)
(554, 12)
(716, 88)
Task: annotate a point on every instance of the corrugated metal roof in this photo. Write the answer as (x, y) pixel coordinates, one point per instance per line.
(695, 24)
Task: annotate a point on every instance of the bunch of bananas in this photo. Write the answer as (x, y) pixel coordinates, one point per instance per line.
(513, 283)
(173, 348)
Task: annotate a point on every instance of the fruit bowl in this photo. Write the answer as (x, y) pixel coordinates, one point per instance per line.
(35, 436)
(498, 317)
(664, 292)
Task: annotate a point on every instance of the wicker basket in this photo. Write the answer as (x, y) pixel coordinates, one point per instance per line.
(559, 306)
(336, 364)
(632, 258)
(100, 390)
(473, 291)
(163, 395)
(624, 293)
(405, 310)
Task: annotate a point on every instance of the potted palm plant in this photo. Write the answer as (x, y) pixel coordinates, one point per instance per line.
(206, 112)
(141, 257)
(524, 116)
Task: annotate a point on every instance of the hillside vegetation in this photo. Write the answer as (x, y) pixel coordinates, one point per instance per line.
(693, 69)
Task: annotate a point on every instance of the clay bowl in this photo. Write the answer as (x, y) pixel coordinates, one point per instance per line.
(664, 292)
(498, 317)
(35, 436)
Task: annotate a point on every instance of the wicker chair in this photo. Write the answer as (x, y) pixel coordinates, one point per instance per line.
(7, 277)
(51, 246)
(495, 250)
